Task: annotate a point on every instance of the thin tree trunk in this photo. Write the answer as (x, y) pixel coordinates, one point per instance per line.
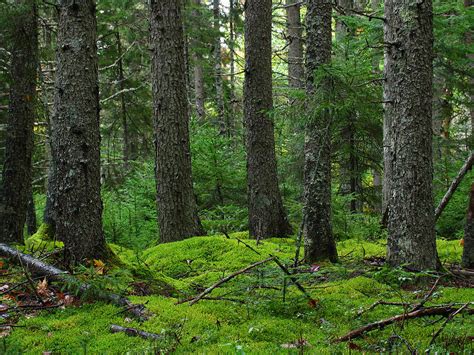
(16, 179)
(232, 40)
(408, 143)
(198, 75)
(177, 210)
(468, 251)
(76, 136)
(31, 225)
(267, 217)
(317, 228)
(218, 70)
(468, 40)
(123, 105)
(296, 78)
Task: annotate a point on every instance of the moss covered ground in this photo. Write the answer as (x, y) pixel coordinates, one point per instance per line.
(257, 312)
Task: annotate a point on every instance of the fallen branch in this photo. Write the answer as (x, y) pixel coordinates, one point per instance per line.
(381, 303)
(39, 268)
(450, 318)
(135, 332)
(227, 278)
(444, 310)
(454, 185)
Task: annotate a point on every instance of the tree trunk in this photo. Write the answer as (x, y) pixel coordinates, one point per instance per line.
(76, 136)
(317, 229)
(218, 70)
(232, 41)
(267, 217)
(470, 55)
(198, 75)
(31, 225)
(294, 27)
(468, 252)
(123, 105)
(16, 179)
(408, 142)
(177, 210)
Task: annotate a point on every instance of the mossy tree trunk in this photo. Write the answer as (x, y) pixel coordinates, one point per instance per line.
(16, 178)
(317, 228)
(75, 134)
(408, 35)
(177, 210)
(267, 217)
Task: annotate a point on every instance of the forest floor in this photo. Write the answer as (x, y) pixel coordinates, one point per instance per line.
(259, 311)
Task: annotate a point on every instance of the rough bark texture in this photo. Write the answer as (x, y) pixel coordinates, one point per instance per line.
(408, 141)
(75, 134)
(16, 179)
(31, 225)
(468, 252)
(296, 76)
(317, 228)
(219, 86)
(267, 217)
(468, 40)
(177, 211)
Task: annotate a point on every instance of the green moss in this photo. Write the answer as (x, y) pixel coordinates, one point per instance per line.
(43, 240)
(265, 322)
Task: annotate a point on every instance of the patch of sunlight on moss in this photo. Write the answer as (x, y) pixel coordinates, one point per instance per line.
(41, 240)
(449, 250)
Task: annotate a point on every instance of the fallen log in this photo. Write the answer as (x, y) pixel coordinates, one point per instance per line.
(454, 185)
(135, 332)
(446, 310)
(39, 268)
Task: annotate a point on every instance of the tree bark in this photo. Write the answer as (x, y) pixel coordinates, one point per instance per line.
(16, 177)
(408, 34)
(296, 76)
(267, 217)
(76, 136)
(31, 225)
(177, 210)
(468, 251)
(317, 228)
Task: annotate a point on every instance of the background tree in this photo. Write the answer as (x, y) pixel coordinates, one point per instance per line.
(177, 214)
(267, 217)
(76, 136)
(408, 161)
(16, 177)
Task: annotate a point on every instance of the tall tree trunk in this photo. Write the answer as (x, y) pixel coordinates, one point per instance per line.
(198, 74)
(76, 136)
(408, 117)
(218, 69)
(317, 228)
(177, 210)
(468, 40)
(16, 179)
(232, 41)
(267, 217)
(123, 105)
(468, 252)
(294, 27)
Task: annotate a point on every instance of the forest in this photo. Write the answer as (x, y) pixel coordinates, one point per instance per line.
(236, 176)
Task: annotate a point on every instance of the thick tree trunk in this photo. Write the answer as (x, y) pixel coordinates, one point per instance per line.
(16, 179)
(408, 141)
(177, 210)
(267, 217)
(218, 70)
(75, 136)
(468, 252)
(468, 40)
(198, 75)
(317, 228)
(296, 78)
